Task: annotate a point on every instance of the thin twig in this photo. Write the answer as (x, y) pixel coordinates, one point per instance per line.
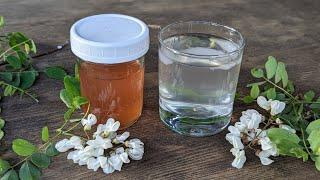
(60, 47)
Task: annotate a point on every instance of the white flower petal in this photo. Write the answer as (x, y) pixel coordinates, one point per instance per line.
(134, 143)
(121, 138)
(264, 158)
(233, 130)
(100, 142)
(93, 163)
(239, 159)
(136, 153)
(76, 142)
(100, 129)
(74, 155)
(251, 118)
(240, 126)
(64, 145)
(235, 141)
(263, 103)
(115, 162)
(277, 107)
(92, 119)
(107, 169)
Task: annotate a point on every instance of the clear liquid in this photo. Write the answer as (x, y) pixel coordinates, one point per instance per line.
(196, 94)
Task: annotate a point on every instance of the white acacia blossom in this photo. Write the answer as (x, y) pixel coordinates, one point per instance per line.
(100, 152)
(247, 131)
(275, 106)
(89, 121)
(251, 118)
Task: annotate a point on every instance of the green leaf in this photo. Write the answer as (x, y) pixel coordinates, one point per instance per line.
(67, 115)
(277, 77)
(317, 163)
(7, 76)
(55, 72)
(2, 123)
(22, 57)
(78, 101)
(33, 47)
(45, 134)
(290, 86)
(255, 91)
(10, 175)
(287, 143)
(257, 73)
(72, 86)
(14, 61)
(66, 98)
(29, 172)
(4, 166)
(1, 21)
(308, 96)
(23, 147)
(283, 74)
(1, 134)
(314, 141)
(271, 67)
(276, 134)
(27, 79)
(16, 81)
(51, 150)
(248, 99)
(27, 48)
(41, 160)
(76, 71)
(8, 91)
(271, 93)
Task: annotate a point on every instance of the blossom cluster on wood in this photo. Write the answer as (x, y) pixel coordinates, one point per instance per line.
(107, 150)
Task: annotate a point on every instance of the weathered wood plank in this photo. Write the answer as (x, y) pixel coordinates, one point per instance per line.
(288, 29)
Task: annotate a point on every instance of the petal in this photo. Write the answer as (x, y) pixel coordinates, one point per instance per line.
(115, 162)
(239, 160)
(136, 153)
(93, 164)
(124, 157)
(63, 145)
(263, 103)
(240, 126)
(108, 169)
(84, 122)
(92, 119)
(235, 141)
(103, 161)
(109, 122)
(121, 138)
(115, 126)
(74, 155)
(277, 107)
(234, 130)
(265, 160)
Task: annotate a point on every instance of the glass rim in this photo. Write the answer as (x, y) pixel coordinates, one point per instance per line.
(241, 46)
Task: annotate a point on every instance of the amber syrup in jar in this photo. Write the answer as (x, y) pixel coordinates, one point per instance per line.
(114, 90)
(111, 49)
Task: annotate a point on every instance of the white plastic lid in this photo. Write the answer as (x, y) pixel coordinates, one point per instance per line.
(109, 38)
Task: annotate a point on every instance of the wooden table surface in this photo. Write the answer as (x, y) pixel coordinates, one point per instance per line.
(287, 29)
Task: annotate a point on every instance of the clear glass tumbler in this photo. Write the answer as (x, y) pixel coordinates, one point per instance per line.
(199, 64)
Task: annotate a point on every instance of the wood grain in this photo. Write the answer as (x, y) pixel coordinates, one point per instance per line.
(287, 29)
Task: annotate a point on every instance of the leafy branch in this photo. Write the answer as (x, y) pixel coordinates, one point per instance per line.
(302, 112)
(34, 159)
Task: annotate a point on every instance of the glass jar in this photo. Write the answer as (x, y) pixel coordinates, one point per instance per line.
(111, 49)
(199, 64)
